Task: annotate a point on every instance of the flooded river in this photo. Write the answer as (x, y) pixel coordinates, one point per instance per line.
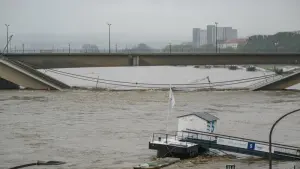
(96, 129)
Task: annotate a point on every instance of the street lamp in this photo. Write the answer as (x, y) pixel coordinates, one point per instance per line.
(216, 23)
(270, 135)
(108, 37)
(276, 44)
(7, 37)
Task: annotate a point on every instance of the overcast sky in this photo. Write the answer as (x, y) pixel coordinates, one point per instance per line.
(166, 20)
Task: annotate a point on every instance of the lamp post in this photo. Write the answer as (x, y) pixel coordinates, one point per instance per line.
(69, 48)
(271, 132)
(108, 37)
(276, 46)
(216, 23)
(7, 37)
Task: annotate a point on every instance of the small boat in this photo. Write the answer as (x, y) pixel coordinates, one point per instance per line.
(160, 163)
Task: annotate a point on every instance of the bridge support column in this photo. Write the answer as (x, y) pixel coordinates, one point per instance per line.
(136, 60)
(133, 60)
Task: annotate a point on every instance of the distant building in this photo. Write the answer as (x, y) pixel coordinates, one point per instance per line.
(234, 34)
(223, 34)
(203, 37)
(199, 37)
(233, 43)
(211, 34)
(196, 37)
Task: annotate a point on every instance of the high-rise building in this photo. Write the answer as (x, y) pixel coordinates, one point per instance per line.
(196, 37)
(211, 34)
(234, 33)
(223, 34)
(227, 33)
(203, 37)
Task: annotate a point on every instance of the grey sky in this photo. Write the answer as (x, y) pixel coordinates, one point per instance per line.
(167, 20)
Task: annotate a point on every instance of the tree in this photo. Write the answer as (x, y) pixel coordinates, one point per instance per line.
(142, 47)
(90, 48)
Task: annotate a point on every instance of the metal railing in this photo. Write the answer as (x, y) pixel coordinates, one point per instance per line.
(194, 135)
(273, 79)
(168, 139)
(266, 81)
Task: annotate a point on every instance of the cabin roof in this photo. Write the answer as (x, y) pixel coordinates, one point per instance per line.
(202, 115)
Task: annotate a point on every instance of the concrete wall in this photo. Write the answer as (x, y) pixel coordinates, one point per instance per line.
(49, 60)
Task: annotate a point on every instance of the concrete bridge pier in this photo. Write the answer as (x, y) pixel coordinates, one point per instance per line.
(133, 60)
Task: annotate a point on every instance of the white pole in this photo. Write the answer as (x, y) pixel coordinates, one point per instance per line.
(169, 110)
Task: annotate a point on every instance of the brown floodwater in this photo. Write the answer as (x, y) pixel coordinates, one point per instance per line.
(102, 129)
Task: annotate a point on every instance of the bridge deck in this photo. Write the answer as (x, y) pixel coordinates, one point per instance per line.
(206, 140)
(71, 60)
(26, 76)
(278, 82)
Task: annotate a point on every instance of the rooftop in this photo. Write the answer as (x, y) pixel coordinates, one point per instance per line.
(202, 115)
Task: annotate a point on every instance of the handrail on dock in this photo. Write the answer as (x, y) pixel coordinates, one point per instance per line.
(238, 138)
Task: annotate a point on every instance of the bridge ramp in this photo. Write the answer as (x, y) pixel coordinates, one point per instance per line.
(26, 76)
(278, 82)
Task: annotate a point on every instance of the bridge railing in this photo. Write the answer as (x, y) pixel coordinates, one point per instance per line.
(199, 135)
(266, 81)
(273, 78)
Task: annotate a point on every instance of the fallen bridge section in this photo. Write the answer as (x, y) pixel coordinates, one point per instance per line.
(4, 84)
(278, 82)
(26, 76)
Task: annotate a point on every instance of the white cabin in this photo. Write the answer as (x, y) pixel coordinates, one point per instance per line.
(198, 121)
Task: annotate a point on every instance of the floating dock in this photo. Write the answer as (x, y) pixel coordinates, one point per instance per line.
(190, 143)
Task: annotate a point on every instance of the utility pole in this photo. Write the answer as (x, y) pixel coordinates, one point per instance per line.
(170, 46)
(7, 37)
(116, 47)
(216, 37)
(108, 37)
(23, 47)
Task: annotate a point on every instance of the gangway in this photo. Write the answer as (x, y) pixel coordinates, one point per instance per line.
(190, 143)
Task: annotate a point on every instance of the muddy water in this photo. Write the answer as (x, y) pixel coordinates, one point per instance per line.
(89, 129)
